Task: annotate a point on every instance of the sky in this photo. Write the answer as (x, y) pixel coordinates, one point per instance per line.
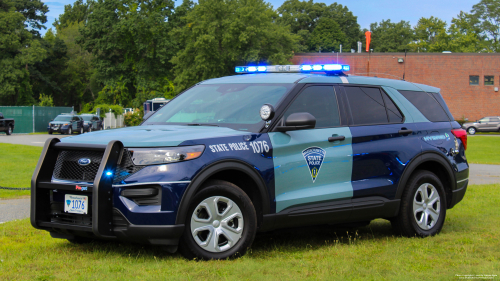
(367, 11)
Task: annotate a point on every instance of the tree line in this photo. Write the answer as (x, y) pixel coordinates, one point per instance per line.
(123, 52)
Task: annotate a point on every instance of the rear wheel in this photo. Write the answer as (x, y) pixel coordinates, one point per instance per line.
(221, 223)
(423, 206)
(9, 130)
(471, 131)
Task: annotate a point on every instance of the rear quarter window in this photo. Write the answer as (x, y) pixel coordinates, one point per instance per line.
(428, 105)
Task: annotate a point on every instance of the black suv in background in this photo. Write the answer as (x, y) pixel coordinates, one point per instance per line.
(66, 124)
(6, 124)
(92, 122)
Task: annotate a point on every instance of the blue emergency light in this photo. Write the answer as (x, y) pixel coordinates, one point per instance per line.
(328, 68)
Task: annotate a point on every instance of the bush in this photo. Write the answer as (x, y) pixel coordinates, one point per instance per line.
(116, 109)
(133, 119)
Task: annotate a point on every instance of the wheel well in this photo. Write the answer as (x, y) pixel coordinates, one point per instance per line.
(247, 184)
(441, 173)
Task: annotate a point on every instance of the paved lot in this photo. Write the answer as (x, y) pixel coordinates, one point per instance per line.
(35, 140)
(14, 209)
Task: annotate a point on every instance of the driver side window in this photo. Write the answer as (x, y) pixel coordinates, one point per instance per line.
(321, 102)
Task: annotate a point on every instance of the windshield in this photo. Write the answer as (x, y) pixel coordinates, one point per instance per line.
(86, 117)
(227, 105)
(63, 118)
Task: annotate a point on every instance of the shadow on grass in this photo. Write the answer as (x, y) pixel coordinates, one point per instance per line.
(286, 240)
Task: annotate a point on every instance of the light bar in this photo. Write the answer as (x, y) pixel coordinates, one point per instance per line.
(293, 68)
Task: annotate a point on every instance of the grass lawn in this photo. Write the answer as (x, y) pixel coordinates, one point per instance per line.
(468, 244)
(18, 163)
(483, 150)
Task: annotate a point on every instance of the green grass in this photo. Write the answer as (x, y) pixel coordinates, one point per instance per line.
(483, 150)
(17, 163)
(468, 244)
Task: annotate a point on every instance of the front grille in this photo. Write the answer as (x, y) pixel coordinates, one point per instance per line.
(67, 167)
(125, 168)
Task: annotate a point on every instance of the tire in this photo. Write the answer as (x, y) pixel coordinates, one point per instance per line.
(9, 131)
(81, 131)
(50, 132)
(89, 130)
(240, 217)
(471, 131)
(430, 219)
(70, 131)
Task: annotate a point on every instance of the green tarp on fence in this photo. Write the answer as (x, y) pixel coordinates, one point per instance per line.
(26, 122)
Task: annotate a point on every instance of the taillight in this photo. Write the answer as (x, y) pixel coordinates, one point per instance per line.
(462, 135)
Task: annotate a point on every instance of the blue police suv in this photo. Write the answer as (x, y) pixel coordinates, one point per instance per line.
(274, 147)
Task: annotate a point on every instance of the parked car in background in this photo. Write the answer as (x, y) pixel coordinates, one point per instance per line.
(66, 124)
(486, 124)
(6, 124)
(92, 122)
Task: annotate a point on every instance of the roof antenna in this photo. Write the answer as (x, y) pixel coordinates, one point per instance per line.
(404, 71)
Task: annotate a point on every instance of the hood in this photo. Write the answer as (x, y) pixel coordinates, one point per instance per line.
(153, 135)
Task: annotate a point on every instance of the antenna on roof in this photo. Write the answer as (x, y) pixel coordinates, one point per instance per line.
(404, 70)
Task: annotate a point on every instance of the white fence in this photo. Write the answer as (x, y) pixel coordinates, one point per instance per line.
(110, 121)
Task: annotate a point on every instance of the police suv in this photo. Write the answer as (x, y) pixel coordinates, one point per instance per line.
(276, 147)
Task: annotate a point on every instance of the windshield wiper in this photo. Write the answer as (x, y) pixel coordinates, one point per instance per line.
(197, 124)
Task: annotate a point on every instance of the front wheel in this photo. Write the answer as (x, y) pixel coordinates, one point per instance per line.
(81, 131)
(70, 131)
(9, 130)
(221, 223)
(423, 206)
(50, 132)
(471, 131)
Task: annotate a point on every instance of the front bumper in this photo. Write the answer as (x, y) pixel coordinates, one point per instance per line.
(61, 129)
(104, 221)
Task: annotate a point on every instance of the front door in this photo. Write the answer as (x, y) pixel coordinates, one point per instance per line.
(309, 168)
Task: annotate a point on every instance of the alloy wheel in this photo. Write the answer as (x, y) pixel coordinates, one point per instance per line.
(426, 206)
(217, 224)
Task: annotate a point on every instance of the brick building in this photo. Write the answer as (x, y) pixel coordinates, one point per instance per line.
(469, 82)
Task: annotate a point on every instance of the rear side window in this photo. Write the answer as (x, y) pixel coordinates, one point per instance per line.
(440, 99)
(370, 106)
(427, 104)
(494, 119)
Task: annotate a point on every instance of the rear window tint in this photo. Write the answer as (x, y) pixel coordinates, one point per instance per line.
(440, 99)
(427, 104)
(367, 106)
(393, 112)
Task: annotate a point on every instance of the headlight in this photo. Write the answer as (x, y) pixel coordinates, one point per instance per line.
(161, 155)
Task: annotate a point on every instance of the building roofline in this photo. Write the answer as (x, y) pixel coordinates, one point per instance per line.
(397, 54)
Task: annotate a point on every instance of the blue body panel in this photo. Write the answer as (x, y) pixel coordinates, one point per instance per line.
(380, 155)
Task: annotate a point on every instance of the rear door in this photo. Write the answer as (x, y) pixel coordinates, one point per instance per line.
(308, 167)
(382, 142)
(493, 124)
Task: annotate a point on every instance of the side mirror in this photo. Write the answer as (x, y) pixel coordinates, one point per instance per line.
(298, 121)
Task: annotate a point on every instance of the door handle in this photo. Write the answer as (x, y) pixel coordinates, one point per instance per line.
(339, 138)
(404, 131)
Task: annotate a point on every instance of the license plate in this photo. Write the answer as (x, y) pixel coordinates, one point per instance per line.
(76, 204)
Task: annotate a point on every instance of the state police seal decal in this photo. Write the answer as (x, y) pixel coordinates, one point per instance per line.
(314, 157)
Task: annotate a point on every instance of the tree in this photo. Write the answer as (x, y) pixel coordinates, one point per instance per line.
(347, 22)
(431, 36)
(18, 49)
(130, 42)
(222, 34)
(466, 35)
(391, 37)
(46, 100)
(34, 13)
(327, 36)
(487, 16)
(46, 75)
(304, 16)
(73, 14)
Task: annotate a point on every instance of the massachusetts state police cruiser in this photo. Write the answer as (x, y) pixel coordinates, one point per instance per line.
(276, 147)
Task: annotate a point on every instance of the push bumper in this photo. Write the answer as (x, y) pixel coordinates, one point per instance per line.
(103, 221)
